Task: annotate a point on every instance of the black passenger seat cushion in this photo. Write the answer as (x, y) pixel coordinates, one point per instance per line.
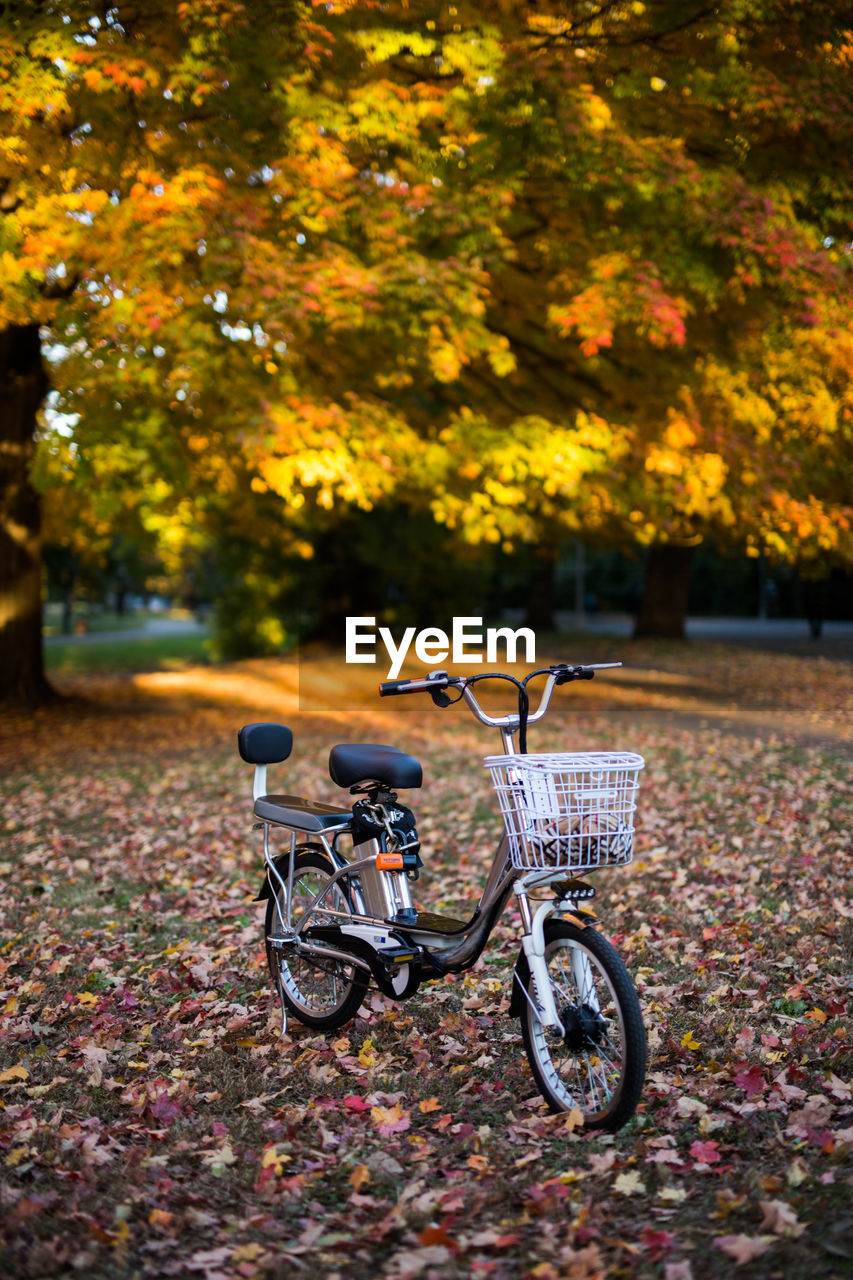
(352, 762)
(265, 743)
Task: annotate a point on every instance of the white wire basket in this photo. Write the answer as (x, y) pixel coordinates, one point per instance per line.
(571, 812)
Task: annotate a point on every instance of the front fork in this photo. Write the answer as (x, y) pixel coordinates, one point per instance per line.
(533, 945)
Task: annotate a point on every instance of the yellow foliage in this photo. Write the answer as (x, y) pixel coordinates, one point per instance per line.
(501, 358)
(598, 114)
(664, 461)
(679, 433)
(360, 254)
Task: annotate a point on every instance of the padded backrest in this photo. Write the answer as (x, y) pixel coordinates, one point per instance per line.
(265, 743)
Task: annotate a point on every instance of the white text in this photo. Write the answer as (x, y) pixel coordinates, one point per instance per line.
(463, 645)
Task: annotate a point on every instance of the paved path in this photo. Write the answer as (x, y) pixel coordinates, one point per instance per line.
(775, 630)
(148, 627)
(712, 629)
(779, 635)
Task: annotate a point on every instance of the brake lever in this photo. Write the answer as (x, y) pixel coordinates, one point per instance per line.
(565, 675)
(438, 696)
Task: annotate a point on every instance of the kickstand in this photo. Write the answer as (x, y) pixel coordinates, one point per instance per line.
(280, 990)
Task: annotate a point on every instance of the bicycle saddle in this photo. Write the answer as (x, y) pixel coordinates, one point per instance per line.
(353, 762)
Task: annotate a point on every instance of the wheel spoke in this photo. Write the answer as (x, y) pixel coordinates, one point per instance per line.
(609, 1061)
(590, 1075)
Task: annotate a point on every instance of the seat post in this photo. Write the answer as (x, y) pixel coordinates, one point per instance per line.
(259, 786)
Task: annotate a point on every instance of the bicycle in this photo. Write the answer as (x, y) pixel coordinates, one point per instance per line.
(335, 923)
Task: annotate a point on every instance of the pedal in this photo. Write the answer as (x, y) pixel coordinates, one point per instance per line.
(398, 955)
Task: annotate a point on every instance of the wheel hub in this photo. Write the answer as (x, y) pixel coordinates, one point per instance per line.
(584, 1027)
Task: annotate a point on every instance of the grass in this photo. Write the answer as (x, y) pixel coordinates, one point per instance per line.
(92, 622)
(114, 656)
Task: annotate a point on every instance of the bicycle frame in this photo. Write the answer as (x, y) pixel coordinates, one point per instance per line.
(338, 916)
(450, 953)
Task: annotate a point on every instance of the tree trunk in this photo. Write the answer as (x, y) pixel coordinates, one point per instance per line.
(663, 610)
(23, 386)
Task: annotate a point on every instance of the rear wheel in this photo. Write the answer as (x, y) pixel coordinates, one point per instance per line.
(321, 992)
(599, 1063)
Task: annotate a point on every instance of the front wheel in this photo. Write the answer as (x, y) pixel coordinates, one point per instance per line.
(599, 1063)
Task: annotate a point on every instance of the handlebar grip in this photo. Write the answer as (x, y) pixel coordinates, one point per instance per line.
(392, 688)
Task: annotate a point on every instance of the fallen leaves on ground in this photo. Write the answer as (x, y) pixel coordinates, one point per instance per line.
(153, 1123)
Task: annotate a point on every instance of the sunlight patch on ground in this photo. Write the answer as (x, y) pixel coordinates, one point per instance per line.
(323, 687)
(755, 695)
(273, 686)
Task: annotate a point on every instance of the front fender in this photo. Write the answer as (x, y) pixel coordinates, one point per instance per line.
(520, 978)
(521, 972)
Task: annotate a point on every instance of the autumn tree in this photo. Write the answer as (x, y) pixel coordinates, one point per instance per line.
(674, 189)
(111, 185)
(547, 269)
(653, 204)
(193, 242)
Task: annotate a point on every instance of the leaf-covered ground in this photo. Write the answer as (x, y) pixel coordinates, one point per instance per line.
(153, 1123)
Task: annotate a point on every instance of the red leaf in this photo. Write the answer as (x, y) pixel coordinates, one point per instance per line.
(705, 1152)
(657, 1242)
(355, 1102)
(823, 1138)
(165, 1109)
(752, 1081)
(438, 1235)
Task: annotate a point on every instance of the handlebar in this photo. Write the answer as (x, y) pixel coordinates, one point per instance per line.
(438, 681)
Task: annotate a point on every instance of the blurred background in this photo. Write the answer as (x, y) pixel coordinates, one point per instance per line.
(530, 311)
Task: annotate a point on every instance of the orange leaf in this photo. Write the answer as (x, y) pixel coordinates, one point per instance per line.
(13, 1073)
(390, 1120)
